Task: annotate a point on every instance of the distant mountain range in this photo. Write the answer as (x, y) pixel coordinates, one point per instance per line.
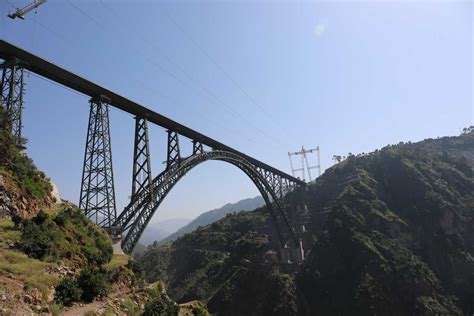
(172, 229)
(160, 230)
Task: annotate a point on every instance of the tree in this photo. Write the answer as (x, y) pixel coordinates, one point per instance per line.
(68, 291)
(161, 306)
(93, 282)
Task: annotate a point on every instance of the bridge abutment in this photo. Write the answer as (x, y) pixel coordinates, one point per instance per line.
(117, 245)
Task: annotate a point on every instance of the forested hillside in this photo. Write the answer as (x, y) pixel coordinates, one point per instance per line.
(392, 233)
(215, 215)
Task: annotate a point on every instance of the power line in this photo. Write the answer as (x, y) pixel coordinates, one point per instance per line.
(190, 38)
(58, 35)
(211, 96)
(58, 84)
(84, 13)
(224, 127)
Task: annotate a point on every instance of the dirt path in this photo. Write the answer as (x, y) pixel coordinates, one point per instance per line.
(111, 301)
(81, 310)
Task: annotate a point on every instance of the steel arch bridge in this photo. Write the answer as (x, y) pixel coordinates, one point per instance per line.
(138, 213)
(97, 196)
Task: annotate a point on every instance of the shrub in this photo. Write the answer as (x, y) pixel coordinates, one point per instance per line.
(105, 248)
(199, 311)
(68, 291)
(61, 219)
(17, 220)
(161, 306)
(40, 218)
(34, 241)
(135, 267)
(93, 282)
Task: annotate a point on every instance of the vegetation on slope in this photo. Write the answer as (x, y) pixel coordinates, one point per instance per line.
(212, 216)
(398, 237)
(18, 166)
(53, 257)
(222, 265)
(69, 235)
(30, 272)
(391, 233)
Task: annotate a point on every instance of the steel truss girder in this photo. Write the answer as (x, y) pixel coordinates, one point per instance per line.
(97, 198)
(137, 215)
(12, 91)
(174, 155)
(141, 178)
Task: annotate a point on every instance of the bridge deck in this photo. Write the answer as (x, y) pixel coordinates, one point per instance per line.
(75, 82)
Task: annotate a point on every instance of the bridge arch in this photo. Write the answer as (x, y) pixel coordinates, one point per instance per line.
(136, 216)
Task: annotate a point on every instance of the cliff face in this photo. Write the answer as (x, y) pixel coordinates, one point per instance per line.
(391, 233)
(14, 200)
(24, 190)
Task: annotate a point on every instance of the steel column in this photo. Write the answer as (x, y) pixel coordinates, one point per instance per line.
(174, 155)
(141, 178)
(12, 90)
(197, 147)
(97, 199)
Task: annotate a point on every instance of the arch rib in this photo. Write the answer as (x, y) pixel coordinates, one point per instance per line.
(138, 213)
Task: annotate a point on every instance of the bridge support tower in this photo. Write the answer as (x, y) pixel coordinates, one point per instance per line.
(12, 90)
(97, 198)
(141, 178)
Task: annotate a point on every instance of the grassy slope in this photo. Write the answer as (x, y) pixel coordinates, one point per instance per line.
(31, 272)
(73, 244)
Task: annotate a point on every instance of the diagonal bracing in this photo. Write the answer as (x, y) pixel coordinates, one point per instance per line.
(97, 199)
(12, 90)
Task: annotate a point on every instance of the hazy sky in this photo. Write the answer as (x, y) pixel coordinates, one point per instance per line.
(263, 77)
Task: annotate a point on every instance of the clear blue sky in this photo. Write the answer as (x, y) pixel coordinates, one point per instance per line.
(263, 77)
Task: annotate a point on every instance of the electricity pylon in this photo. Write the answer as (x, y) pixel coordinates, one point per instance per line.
(304, 162)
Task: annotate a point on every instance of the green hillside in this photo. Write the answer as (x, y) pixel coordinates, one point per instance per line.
(391, 233)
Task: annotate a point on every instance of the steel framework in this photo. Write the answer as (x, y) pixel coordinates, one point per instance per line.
(97, 199)
(60, 75)
(174, 154)
(12, 91)
(138, 213)
(304, 161)
(141, 178)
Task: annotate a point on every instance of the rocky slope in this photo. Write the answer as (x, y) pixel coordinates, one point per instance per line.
(24, 190)
(391, 233)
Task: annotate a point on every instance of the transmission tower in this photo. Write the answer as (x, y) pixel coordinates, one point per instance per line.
(304, 162)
